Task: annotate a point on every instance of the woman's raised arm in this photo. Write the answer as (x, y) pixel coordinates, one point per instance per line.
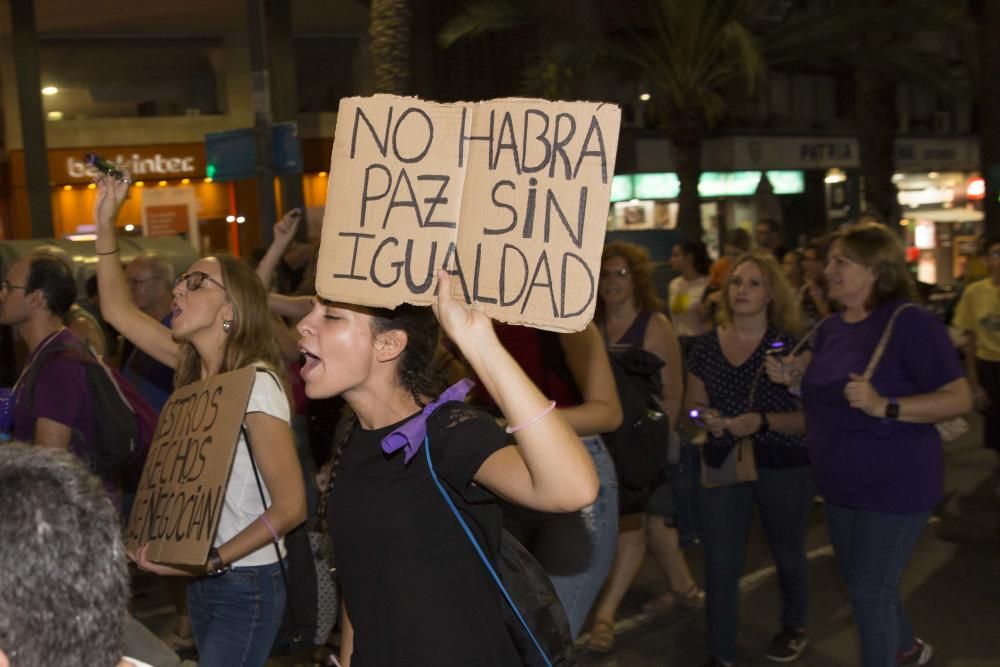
(549, 470)
(116, 300)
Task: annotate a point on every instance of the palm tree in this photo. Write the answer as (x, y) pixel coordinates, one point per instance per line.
(566, 49)
(389, 30)
(688, 52)
(882, 50)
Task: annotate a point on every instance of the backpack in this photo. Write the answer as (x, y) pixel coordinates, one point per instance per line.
(639, 445)
(124, 422)
(533, 616)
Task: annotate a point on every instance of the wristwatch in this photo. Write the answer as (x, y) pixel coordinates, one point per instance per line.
(765, 425)
(892, 409)
(216, 567)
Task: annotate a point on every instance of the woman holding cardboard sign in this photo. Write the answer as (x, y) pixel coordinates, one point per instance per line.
(220, 324)
(754, 455)
(414, 590)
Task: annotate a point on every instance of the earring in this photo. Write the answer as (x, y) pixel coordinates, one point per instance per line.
(227, 326)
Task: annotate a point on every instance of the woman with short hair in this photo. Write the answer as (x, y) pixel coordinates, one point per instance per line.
(875, 453)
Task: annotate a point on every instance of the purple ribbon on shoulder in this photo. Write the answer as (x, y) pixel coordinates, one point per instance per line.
(410, 435)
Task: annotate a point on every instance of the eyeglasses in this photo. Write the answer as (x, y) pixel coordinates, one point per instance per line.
(616, 273)
(195, 279)
(7, 286)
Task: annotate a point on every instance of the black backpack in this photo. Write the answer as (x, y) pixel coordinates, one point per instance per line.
(123, 421)
(639, 446)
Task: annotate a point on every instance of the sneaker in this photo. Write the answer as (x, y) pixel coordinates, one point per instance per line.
(920, 654)
(787, 645)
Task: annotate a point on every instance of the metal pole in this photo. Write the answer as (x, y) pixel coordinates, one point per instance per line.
(284, 91)
(28, 76)
(261, 103)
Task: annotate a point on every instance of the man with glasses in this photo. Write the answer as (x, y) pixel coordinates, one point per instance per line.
(35, 295)
(978, 315)
(150, 280)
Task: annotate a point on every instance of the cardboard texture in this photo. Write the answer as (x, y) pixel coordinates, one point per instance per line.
(509, 195)
(179, 500)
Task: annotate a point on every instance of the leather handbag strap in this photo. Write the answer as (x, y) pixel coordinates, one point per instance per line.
(883, 342)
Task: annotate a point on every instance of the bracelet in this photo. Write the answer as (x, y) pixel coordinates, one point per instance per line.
(267, 523)
(543, 413)
(217, 567)
(110, 252)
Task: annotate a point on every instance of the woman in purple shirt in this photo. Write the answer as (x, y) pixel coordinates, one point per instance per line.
(876, 455)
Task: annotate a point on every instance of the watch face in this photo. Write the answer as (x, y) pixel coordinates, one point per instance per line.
(892, 410)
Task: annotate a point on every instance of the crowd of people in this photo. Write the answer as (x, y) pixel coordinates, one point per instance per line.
(789, 371)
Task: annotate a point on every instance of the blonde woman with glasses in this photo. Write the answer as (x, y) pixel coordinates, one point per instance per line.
(220, 323)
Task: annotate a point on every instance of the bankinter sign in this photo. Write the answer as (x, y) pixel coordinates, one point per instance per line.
(510, 196)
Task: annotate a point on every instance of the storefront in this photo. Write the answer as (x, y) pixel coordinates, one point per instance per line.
(173, 193)
(649, 200)
(818, 179)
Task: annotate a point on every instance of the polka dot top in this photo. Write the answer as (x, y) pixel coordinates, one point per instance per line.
(728, 389)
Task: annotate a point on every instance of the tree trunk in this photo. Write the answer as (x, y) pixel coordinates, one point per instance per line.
(876, 117)
(989, 110)
(389, 29)
(685, 131)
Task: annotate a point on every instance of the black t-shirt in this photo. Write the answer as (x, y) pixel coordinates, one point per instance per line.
(415, 590)
(728, 389)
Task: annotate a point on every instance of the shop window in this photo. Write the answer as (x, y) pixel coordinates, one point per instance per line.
(129, 77)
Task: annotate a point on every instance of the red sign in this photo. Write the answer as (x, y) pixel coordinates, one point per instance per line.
(167, 220)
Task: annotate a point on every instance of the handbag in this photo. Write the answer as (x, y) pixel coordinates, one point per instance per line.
(949, 429)
(739, 464)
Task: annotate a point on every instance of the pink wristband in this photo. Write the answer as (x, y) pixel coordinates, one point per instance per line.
(515, 429)
(267, 523)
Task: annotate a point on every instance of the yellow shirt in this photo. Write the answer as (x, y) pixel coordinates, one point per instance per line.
(979, 312)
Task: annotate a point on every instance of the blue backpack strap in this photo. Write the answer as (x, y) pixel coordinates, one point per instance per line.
(479, 550)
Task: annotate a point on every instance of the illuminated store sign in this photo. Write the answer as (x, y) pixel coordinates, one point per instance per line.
(157, 165)
(713, 184)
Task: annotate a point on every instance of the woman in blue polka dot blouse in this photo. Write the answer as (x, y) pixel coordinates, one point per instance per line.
(735, 400)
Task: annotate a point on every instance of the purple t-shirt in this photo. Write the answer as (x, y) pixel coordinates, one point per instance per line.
(870, 463)
(61, 393)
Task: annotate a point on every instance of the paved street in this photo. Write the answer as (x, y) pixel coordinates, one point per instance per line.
(951, 589)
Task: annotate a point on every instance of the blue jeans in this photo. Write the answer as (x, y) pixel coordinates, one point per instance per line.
(783, 498)
(236, 616)
(575, 549)
(872, 549)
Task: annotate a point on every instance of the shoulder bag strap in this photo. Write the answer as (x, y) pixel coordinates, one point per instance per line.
(884, 341)
(296, 637)
(479, 550)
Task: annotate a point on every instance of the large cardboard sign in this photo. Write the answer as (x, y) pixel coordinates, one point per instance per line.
(509, 195)
(179, 500)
